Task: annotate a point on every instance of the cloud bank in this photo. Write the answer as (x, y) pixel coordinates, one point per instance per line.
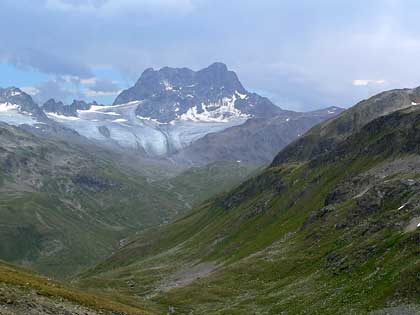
(303, 55)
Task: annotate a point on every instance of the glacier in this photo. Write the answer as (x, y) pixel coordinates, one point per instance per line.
(120, 125)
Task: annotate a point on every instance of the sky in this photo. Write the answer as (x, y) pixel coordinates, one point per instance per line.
(303, 55)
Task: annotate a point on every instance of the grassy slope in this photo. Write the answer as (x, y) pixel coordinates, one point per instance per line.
(197, 184)
(326, 236)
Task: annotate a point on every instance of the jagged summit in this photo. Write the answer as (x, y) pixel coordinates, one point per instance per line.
(52, 107)
(211, 94)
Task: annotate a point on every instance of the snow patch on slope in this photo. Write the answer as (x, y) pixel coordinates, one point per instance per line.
(63, 117)
(222, 111)
(241, 96)
(15, 92)
(168, 86)
(120, 120)
(151, 119)
(4, 107)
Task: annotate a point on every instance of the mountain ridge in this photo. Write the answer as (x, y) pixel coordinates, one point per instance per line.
(325, 136)
(59, 108)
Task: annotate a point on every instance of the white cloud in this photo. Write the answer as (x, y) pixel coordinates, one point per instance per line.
(31, 90)
(92, 93)
(361, 82)
(89, 81)
(367, 82)
(319, 60)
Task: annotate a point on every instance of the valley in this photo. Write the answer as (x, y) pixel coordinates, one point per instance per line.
(191, 195)
(301, 237)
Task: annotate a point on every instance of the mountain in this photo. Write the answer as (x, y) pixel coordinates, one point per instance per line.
(170, 109)
(17, 107)
(52, 107)
(257, 141)
(171, 113)
(211, 94)
(332, 228)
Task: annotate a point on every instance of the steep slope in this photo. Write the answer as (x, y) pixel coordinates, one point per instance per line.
(62, 208)
(337, 233)
(256, 141)
(22, 292)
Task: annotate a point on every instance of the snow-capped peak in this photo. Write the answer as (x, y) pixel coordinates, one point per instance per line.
(172, 94)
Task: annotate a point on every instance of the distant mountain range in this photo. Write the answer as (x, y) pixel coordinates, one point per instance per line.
(188, 116)
(52, 107)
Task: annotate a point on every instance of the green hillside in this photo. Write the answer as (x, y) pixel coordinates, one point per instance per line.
(199, 183)
(62, 208)
(336, 233)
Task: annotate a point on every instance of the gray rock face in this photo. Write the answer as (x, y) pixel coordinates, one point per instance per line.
(51, 106)
(210, 94)
(14, 99)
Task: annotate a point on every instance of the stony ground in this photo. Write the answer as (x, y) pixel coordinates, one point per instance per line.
(399, 310)
(16, 300)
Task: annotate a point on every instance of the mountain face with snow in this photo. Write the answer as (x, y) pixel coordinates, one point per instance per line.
(167, 111)
(17, 108)
(213, 94)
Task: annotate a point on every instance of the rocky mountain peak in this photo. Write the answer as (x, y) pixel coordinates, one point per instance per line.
(211, 94)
